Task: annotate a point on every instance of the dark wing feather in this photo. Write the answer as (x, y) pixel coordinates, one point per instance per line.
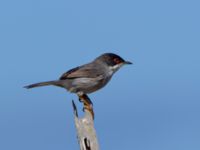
(85, 71)
(66, 74)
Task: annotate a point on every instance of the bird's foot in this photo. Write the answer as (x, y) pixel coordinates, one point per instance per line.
(85, 99)
(88, 105)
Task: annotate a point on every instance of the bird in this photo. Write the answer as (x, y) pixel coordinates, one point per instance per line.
(87, 78)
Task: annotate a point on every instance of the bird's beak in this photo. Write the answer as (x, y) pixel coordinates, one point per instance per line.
(128, 63)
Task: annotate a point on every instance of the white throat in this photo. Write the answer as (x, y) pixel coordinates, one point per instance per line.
(113, 69)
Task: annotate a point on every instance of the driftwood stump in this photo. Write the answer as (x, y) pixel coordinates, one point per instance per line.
(86, 133)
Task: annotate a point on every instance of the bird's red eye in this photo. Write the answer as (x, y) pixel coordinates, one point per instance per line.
(116, 60)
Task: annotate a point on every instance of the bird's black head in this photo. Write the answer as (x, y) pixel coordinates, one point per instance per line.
(112, 59)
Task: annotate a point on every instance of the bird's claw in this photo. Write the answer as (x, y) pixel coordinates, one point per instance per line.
(88, 105)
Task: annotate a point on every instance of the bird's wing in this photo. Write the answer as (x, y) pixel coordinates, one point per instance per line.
(85, 71)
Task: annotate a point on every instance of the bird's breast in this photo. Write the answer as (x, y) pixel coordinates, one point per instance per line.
(89, 85)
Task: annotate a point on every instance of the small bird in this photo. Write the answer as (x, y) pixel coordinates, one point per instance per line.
(88, 78)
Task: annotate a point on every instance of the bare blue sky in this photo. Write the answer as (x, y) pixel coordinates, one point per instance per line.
(151, 105)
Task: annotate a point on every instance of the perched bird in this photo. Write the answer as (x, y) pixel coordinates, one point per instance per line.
(88, 78)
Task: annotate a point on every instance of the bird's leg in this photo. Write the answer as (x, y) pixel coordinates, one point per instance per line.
(83, 98)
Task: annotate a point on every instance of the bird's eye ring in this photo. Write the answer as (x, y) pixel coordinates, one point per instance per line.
(116, 60)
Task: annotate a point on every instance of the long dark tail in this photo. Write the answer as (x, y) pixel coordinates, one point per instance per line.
(56, 83)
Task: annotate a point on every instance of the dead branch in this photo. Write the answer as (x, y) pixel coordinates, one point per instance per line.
(86, 133)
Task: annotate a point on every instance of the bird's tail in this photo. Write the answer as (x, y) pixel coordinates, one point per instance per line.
(56, 83)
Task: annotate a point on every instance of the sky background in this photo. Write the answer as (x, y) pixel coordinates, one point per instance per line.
(151, 105)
